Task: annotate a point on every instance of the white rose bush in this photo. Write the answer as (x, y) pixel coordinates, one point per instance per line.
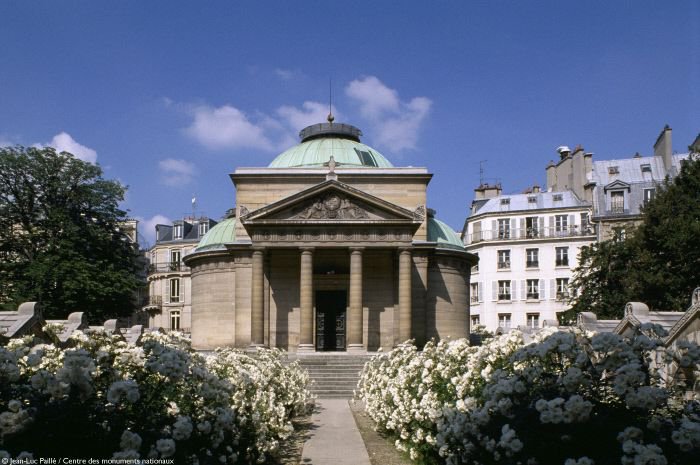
(104, 398)
(565, 398)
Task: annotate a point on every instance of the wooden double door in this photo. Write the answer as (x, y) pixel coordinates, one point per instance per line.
(331, 320)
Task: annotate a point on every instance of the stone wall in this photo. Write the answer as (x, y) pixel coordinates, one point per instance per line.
(213, 312)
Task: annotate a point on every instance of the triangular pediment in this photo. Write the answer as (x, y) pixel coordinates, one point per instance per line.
(617, 184)
(331, 201)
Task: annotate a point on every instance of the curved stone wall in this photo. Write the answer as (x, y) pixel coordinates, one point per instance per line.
(213, 302)
(448, 296)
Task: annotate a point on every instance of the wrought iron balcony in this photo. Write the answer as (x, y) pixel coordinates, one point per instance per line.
(152, 302)
(530, 233)
(167, 267)
(533, 295)
(562, 262)
(532, 264)
(504, 296)
(505, 264)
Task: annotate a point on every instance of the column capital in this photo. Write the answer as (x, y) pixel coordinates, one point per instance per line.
(356, 249)
(259, 249)
(307, 249)
(404, 250)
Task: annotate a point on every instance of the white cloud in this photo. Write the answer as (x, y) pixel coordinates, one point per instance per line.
(63, 142)
(176, 172)
(287, 74)
(396, 123)
(227, 127)
(309, 113)
(147, 227)
(5, 141)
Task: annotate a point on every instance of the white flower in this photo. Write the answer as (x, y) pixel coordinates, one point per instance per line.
(130, 440)
(123, 390)
(166, 447)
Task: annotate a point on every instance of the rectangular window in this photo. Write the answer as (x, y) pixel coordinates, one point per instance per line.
(533, 260)
(613, 170)
(175, 290)
(532, 200)
(561, 223)
(503, 259)
(177, 231)
(475, 268)
(203, 228)
(562, 256)
(646, 168)
(475, 320)
(504, 320)
(562, 288)
(175, 320)
(649, 195)
(533, 288)
(504, 228)
(531, 228)
(617, 202)
(505, 201)
(474, 293)
(174, 260)
(557, 197)
(533, 320)
(504, 290)
(585, 223)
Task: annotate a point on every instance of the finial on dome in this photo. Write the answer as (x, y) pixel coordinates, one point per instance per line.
(330, 118)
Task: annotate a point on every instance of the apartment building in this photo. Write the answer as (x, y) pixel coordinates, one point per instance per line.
(169, 303)
(527, 245)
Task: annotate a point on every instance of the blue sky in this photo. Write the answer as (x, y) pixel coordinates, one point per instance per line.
(170, 97)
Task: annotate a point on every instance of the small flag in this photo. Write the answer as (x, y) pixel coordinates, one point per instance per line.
(194, 200)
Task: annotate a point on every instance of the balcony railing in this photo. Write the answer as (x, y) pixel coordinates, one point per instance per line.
(532, 264)
(533, 295)
(153, 301)
(562, 262)
(474, 299)
(504, 296)
(529, 233)
(502, 265)
(167, 267)
(562, 295)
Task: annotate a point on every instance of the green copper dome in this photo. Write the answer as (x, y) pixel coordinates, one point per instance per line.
(321, 141)
(445, 236)
(223, 233)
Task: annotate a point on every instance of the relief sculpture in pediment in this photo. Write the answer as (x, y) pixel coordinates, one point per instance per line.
(332, 206)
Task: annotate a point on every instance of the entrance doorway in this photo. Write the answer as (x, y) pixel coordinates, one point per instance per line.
(330, 320)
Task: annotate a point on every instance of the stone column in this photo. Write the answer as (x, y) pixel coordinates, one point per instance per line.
(355, 310)
(257, 317)
(306, 301)
(404, 294)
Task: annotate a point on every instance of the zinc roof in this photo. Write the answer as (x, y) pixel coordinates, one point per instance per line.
(317, 152)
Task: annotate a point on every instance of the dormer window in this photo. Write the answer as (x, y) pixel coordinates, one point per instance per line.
(646, 168)
(177, 231)
(505, 201)
(203, 228)
(613, 170)
(532, 199)
(558, 197)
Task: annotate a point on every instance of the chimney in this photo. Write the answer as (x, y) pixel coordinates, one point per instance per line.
(536, 189)
(564, 151)
(487, 191)
(663, 147)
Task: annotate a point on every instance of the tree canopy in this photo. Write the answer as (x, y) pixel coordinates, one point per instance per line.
(659, 261)
(62, 241)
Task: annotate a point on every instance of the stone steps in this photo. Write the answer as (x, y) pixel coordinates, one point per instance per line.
(334, 376)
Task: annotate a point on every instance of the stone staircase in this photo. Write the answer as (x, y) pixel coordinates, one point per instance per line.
(333, 375)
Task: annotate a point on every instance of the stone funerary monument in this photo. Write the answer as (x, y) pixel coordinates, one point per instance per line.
(330, 248)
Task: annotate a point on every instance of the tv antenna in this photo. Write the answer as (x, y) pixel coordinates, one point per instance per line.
(481, 172)
(330, 101)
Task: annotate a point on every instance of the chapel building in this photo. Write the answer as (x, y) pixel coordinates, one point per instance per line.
(329, 248)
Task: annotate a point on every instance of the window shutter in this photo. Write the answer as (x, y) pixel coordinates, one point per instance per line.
(523, 290)
(571, 221)
(551, 226)
(513, 227)
(494, 287)
(541, 290)
(182, 291)
(479, 292)
(522, 227)
(541, 228)
(494, 229)
(512, 290)
(552, 289)
(167, 291)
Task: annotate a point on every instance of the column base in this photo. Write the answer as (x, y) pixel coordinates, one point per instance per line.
(356, 349)
(306, 348)
(254, 347)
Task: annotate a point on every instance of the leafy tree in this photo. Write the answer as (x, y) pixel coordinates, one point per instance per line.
(601, 280)
(658, 263)
(60, 237)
